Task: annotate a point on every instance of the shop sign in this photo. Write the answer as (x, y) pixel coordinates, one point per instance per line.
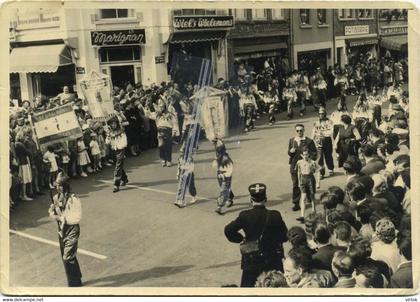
(203, 22)
(389, 30)
(363, 42)
(356, 30)
(80, 70)
(159, 59)
(118, 37)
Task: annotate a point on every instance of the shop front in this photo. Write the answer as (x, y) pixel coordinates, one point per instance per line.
(252, 44)
(41, 70)
(360, 42)
(394, 41)
(311, 60)
(193, 39)
(120, 55)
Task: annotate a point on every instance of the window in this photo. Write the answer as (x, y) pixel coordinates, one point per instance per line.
(240, 14)
(114, 13)
(119, 54)
(188, 12)
(364, 13)
(210, 12)
(196, 12)
(322, 16)
(259, 14)
(349, 14)
(304, 16)
(277, 14)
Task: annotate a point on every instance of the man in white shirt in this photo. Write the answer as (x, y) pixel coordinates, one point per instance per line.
(66, 209)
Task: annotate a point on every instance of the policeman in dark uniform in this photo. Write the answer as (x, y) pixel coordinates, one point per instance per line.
(259, 223)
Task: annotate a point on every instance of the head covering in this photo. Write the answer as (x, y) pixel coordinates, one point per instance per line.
(61, 178)
(385, 230)
(258, 192)
(85, 127)
(322, 110)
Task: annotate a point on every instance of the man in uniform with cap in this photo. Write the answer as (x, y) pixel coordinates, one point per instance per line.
(66, 209)
(266, 226)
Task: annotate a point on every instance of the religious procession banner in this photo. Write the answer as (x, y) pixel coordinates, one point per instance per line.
(56, 125)
(96, 88)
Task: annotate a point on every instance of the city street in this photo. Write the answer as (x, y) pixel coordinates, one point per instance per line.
(137, 237)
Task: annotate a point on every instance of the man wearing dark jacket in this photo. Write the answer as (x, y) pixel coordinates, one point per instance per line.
(262, 224)
(296, 145)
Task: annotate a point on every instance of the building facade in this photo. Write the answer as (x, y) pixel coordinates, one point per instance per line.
(392, 31)
(312, 38)
(259, 34)
(49, 51)
(356, 33)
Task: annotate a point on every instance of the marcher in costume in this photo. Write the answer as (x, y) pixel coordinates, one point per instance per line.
(248, 106)
(224, 177)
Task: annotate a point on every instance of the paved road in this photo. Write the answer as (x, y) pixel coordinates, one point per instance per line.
(146, 240)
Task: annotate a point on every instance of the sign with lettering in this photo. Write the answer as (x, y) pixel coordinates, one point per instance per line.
(356, 30)
(159, 59)
(203, 22)
(390, 30)
(118, 37)
(80, 70)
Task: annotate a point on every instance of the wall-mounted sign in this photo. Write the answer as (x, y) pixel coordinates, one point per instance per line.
(390, 30)
(203, 22)
(118, 37)
(80, 70)
(356, 30)
(159, 59)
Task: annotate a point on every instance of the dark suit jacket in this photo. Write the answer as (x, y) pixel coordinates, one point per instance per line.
(391, 200)
(295, 156)
(373, 167)
(323, 257)
(403, 276)
(365, 180)
(252, 223)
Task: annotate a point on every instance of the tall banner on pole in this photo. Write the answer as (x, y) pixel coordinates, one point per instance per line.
(96, 88)
(56, 125)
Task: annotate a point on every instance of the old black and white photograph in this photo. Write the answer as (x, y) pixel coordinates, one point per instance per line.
(194, 146)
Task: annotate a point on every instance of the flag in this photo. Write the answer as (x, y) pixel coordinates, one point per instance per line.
(56, 125)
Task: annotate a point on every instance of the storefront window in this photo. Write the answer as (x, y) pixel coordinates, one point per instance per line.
(259, 14)
(322, 16)
(277, 14)
(304, 16)
(119, 54)
(114, 13)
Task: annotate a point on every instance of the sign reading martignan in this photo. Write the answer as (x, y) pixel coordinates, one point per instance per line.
(118, 37)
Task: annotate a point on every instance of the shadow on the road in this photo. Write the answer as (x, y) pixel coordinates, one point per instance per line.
(133, 277)
(227, 264)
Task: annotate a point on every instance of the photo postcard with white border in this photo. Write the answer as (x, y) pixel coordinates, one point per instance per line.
(210, 148)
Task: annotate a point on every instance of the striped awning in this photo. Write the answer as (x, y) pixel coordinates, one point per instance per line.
(195, 37)
(398, 43)
(39, 59)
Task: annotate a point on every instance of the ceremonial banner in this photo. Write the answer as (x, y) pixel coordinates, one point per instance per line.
(213, 117)
(96, 88)
(56, 125)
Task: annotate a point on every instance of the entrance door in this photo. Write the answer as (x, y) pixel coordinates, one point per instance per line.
(121, 76)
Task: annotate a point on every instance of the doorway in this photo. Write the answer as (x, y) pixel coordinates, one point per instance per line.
(121, 76)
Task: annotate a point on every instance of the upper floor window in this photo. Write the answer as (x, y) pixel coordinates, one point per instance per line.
(304, 16)
(364, 13)
(322, 16)
(390, 14)
(240, 14)
(346, 13)
(197, 12)
(259, 14)
(114, 13)
(277, 14)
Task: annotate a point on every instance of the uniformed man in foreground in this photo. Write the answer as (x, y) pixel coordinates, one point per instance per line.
(265, 233)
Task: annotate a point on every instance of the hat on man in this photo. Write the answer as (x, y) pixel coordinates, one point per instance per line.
(258, 192)
(322, 110)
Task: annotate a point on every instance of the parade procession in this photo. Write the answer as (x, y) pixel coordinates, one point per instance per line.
(210, 148)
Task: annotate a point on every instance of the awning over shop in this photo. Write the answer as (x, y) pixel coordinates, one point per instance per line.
(360, 42)
(194, 37)
(40, 58)
(398, 43)
(258, 51)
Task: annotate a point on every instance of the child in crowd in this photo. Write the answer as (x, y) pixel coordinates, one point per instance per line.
(82, 157)
(95, 151)
(309, 178)
(102, 146)
(50, 158)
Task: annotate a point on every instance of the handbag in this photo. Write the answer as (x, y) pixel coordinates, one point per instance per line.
(252, 248)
